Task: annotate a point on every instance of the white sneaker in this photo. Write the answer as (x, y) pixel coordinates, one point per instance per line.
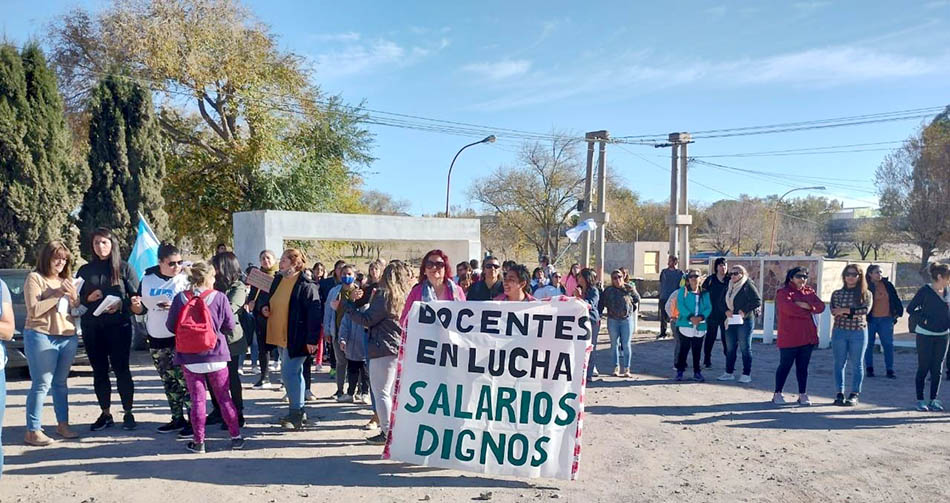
(263, 385)
(745, 379)
(240, 372)
(254, 370)
(345, 399)
(367, 399)
(726, 377)
(309, 397)
(286, 398)
(778, 399)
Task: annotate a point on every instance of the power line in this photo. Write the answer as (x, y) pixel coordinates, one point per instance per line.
(831, 149)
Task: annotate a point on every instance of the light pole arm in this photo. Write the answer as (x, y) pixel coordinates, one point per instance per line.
(448, 180)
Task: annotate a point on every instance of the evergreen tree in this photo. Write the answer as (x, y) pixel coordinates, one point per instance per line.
(127, 164)
(39, 186)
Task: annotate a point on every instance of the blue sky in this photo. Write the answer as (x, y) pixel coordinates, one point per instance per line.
(629, 67)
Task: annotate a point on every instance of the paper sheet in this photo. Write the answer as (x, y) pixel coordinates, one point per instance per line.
(735, 320)
(107, 302)
(63, 305)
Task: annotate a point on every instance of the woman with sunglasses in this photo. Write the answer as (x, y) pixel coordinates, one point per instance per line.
(435, 283)
(693, 306)
(849, 306)
(621, 300)
(742, 301)
(797, 304)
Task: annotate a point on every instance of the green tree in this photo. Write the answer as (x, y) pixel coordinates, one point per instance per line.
(243, 115)
(127, 164)
(39, 185)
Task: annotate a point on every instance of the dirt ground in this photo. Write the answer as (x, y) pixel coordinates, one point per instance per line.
(645, 439)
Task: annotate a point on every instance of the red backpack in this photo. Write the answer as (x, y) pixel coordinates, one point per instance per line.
(195, 331)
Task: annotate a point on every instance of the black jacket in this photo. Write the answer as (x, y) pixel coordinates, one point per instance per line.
(304, 318)
(897, 307)
(717, 296)
(385, 336)
(928, 310)
(480, 291)
(97, 275)
(747, 299)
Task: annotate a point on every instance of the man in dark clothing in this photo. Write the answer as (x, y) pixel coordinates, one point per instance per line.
(669, 282)
(490, 285)
(716, 284)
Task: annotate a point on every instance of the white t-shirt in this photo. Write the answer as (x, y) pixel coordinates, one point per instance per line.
(157, 289)
(206, 368)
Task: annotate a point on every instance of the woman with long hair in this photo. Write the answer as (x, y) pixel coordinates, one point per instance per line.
(257, 299)
(381, 318)
(570, 282)
(693, 307)
(797, 305)
(228, 281)
(849, 306)
(205, 370)
(587, 292)
(886, 309)
(49, 340)
(107, 333)
(930, 320)
(516, 286)
(742, 301)
(293, 325)
(435, 283)
(621, 300)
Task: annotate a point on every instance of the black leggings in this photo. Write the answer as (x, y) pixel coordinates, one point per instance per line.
(715, 329)
(109, 346)
(931, 351)
(800, 356)
(686, 344)
(307, 369)
(357, 374)
(263, 349)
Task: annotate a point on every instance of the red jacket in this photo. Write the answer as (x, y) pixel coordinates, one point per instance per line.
(796, 325)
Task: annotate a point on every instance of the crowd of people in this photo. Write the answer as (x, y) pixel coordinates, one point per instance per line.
(203, 319)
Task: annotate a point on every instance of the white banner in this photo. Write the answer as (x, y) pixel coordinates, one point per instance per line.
(492, 387)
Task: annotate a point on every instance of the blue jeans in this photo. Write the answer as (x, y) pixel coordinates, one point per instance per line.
(848, 347)
(620, 332)
(595, 329)
(739, 337)
(291, 372)
(49, 358)
(883, 326)
(3, 396)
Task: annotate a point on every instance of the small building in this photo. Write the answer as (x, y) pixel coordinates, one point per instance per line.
(644, 259)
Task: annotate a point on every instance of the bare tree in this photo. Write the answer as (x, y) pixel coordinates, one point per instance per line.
(536, 197)
(381, 203)
(914, 187)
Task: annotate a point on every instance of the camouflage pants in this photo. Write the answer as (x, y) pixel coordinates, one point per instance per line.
(173, 379)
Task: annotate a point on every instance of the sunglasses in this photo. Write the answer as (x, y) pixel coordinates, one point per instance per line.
(492, 266)
(736, 273)
(692, 276)
(431, 264)
(801, 276)
(851, 274)
(175, 263)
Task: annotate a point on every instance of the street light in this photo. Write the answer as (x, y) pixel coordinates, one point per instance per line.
(448, 181)
(775, 212)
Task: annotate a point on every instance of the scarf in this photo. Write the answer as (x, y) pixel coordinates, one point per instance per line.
(428, 291)
(733, 290)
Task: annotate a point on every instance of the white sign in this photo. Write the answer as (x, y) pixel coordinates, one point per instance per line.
(492, 387)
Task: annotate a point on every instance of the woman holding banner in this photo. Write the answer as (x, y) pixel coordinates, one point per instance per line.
(586, 291)
(435, 283)
(516, 285)
(381, 319)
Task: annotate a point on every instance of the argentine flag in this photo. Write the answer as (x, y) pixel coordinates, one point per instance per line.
(145, 251)
(575, 232)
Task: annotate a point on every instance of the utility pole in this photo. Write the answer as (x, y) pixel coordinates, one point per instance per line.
(599, 215)
(679, 218)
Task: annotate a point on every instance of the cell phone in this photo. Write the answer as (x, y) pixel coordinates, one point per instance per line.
(164, 304)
